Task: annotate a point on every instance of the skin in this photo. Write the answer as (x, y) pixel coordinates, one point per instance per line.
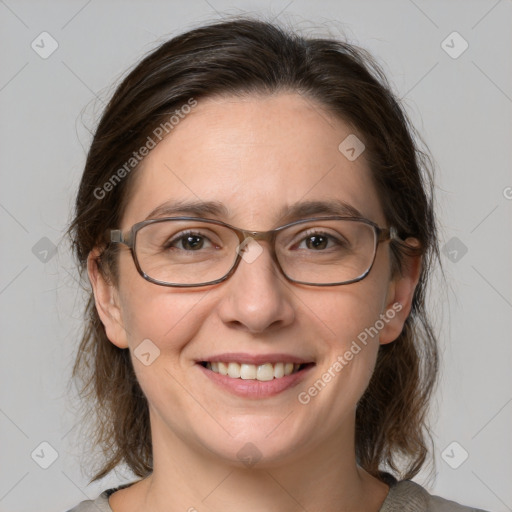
(254, 155)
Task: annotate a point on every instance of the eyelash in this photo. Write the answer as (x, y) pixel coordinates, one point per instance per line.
(182, 236)
(312, 232)
(304, 236)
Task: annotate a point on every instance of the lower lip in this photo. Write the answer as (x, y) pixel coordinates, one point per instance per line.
(252, 388)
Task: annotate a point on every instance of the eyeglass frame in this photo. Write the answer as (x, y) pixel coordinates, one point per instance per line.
(129, 238)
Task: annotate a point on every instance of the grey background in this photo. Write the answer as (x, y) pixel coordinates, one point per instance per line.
(461, 106)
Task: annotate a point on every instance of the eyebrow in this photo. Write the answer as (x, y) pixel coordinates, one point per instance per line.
(192, 208)
(303, 209)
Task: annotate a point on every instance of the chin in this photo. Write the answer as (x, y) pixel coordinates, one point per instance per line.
(254, 443)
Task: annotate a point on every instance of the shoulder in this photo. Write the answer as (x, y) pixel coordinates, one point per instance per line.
(404, 496)
(408, 496)
(100, 504)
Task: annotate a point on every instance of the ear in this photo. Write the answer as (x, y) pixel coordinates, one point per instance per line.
(107, 302)
(400, 294)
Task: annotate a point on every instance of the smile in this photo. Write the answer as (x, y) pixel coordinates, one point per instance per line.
(255, 381)
(263, 372)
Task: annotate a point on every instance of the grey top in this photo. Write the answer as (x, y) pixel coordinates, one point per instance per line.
(403, 496)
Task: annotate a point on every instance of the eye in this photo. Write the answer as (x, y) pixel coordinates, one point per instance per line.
(189, 241)
(317, 242)
(320, 240)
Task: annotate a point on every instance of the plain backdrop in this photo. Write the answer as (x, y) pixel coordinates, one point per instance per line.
(459, 98)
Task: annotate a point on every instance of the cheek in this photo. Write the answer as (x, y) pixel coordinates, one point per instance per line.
(169, 319)
(162, 314)
(345, 314)
(160, 323)
(345, 370)
(348, 311)
(352, 346)
(349, 319)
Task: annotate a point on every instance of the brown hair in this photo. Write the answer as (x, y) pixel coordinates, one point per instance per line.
(247, 56)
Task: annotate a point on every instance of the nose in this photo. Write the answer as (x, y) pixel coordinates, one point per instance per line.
(257, 297)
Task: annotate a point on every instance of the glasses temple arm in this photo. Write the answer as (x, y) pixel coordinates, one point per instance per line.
(116, 236)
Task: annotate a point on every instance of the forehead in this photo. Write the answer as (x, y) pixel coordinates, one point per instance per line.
(256, 156)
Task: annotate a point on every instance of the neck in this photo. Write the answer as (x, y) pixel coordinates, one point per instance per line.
(319, 478)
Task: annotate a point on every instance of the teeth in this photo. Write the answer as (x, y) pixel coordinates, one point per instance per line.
(262, 372)
(248, 371)
(279, 370)
(265, 372)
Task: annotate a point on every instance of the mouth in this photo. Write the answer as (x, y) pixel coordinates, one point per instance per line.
(255, 381)
(263, 372)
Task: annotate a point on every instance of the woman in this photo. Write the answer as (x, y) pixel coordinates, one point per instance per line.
(256, 223)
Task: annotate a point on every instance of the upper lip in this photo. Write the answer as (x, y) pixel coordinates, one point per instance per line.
(256, 359)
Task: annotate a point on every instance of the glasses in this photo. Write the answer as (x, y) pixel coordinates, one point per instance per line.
(192, 251)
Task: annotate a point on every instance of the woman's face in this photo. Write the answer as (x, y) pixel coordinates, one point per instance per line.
(258, 157)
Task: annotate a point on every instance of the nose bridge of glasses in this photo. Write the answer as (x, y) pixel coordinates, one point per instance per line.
(261, 236)
(245, 236)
